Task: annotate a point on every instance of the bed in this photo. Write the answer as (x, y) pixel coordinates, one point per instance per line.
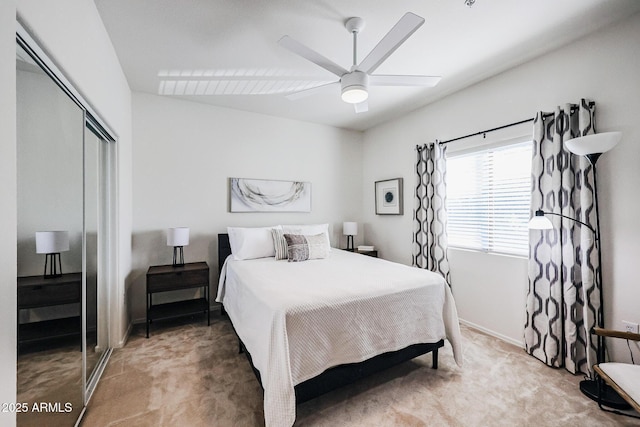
(310, 327)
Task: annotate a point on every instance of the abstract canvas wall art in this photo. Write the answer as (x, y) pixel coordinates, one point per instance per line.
(264, 195)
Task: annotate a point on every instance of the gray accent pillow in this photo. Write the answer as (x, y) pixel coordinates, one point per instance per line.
(302, 248)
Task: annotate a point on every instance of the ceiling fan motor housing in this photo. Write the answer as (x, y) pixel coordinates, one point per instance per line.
(354, 87)
(354, 25)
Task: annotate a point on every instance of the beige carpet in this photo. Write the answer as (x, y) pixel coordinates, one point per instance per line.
(50, 377)
(192, 375)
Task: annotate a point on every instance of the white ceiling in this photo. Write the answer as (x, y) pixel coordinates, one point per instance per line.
(462, 44)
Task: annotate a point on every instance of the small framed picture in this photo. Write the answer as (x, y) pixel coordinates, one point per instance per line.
(389, 197)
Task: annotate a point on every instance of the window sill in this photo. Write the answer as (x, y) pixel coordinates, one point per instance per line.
(489, 252)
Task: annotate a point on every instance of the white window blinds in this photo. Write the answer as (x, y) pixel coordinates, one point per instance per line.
(488, 197)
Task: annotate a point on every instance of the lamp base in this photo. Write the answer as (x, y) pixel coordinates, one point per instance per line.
(609, 398)
(350, 246)
(55, 266)
(178, 256)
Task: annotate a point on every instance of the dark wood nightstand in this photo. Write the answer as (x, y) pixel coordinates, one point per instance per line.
(37, 292)
(164, 278)
(368, 253)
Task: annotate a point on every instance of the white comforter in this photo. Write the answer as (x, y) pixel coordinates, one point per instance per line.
(299, 319)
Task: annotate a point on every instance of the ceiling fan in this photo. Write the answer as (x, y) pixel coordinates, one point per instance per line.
(355, 82)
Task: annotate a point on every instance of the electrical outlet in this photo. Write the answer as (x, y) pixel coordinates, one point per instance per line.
(630, 327)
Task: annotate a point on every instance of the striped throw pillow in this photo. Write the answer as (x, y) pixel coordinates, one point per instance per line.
(280, 243)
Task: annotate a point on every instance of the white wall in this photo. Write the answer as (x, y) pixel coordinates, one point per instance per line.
(604, 67)
(8, 219)
(185, 152)
(73, 35)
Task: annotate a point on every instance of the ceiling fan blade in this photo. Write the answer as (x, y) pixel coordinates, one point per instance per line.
(361, 107)
(311, 55)
(389, 80)
(400, 32)
(306, 92)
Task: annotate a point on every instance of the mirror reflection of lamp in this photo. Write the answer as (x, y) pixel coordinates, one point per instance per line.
(51, 243)
(178, 238)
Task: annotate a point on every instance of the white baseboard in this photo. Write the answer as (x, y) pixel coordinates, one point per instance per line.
(493, 333)
(125, 338)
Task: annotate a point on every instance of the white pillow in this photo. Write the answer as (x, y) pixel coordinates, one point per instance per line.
(309, 230)
(250, 243)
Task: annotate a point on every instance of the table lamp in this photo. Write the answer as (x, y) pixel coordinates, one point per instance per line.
(51, 243)
(178, 237)
(350, 229)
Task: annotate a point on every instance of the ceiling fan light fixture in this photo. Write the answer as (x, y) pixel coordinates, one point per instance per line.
(354, 87)
(354, 95)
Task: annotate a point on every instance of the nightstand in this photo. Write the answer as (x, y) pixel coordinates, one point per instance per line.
(37, 292)
(368, 253)
(165, 278)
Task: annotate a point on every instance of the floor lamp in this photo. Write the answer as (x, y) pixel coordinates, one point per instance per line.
(590, 146)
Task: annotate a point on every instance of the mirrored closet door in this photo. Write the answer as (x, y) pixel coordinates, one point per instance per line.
(64, 162)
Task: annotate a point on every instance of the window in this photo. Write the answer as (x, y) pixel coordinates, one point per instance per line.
(488, 198)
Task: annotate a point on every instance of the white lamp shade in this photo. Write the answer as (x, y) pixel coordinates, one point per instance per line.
(540, 223)
(178, 236)
(52, 242)
(594, 143)
(350, 228)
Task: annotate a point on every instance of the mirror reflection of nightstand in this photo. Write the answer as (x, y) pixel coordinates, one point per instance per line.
(37, 292)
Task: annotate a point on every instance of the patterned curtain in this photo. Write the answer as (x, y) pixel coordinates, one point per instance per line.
(563, 300)
(430, 214)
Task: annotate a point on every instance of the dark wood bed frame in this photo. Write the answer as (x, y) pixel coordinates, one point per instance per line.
(340, 375)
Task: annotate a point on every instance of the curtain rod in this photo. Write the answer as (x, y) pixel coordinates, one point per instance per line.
(545, 115)
(486, 131)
